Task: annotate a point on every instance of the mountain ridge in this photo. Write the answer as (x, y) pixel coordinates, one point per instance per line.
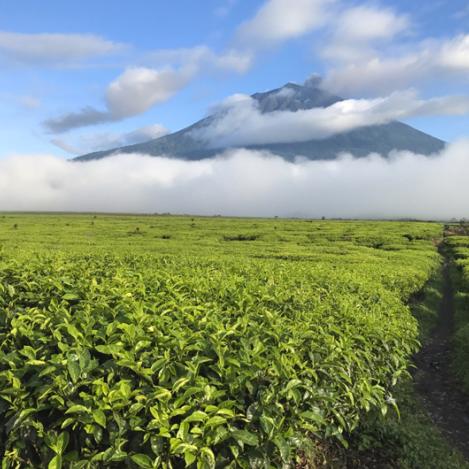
(292, 97)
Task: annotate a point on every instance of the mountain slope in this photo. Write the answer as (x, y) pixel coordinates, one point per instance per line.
(291, 97)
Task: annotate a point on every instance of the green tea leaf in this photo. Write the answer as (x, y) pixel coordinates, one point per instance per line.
(142, 460)
(99, 417)
(246, 437)
(55, 462)
(74, 370)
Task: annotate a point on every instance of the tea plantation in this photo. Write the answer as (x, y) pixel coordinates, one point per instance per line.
(161, 341)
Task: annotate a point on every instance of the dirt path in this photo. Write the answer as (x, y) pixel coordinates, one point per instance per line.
(446, 404)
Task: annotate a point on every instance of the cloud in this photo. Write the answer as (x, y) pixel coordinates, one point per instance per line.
(87, 116)
(225, 9)
(241, 122)
(431, 60)
(364, 23)
(65, 146)
(233, 60)
(245, 183)
(140, 88)
(202, 58)
(29, 102)
(179, 56)
(357, 30)
(453, 54)
(280, 20)
(148, 132)
(462, 13)
(107, 140)
(362, 58)
(54, 49)
(132, 93)
(348, 33)
(275, 22)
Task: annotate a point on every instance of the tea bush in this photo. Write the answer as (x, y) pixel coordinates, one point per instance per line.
(202, 358)
(458, 247)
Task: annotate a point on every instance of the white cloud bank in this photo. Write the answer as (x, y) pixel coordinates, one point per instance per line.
(245, 183)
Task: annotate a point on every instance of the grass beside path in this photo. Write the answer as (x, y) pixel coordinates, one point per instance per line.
(410, 440)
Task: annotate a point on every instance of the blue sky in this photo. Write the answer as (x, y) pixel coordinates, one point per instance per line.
(95, 44)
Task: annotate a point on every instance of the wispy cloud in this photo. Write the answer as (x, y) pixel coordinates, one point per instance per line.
(356, 32)
(89, 143)
(225, 9)
(65, 146)
(280, 20)
(54, 49)
(140, 88)
(462, 13)
(364, 23)
(85, 117)
(29, 102)
(202, 58)
(132, 93)
(429, 60)
(245, 183)
(367, 50)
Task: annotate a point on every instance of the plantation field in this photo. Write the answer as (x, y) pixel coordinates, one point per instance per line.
(160, 341)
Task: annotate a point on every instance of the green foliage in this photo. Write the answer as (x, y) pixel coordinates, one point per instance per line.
(426, 305)
(194, 352)
(241, 237)
(409, 442)
(458, 247)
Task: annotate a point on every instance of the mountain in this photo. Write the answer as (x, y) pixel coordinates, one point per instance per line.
(291, 97)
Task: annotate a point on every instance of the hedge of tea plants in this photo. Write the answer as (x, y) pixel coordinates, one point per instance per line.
(458, 250)
(225, 357)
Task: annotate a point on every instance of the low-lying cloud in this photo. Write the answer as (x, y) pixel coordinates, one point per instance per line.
(240, 121)
(245, 183)
(89, 143)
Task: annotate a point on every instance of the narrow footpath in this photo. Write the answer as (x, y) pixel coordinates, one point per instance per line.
(443, 399)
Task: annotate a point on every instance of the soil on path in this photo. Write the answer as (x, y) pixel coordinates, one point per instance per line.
(442, 396)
